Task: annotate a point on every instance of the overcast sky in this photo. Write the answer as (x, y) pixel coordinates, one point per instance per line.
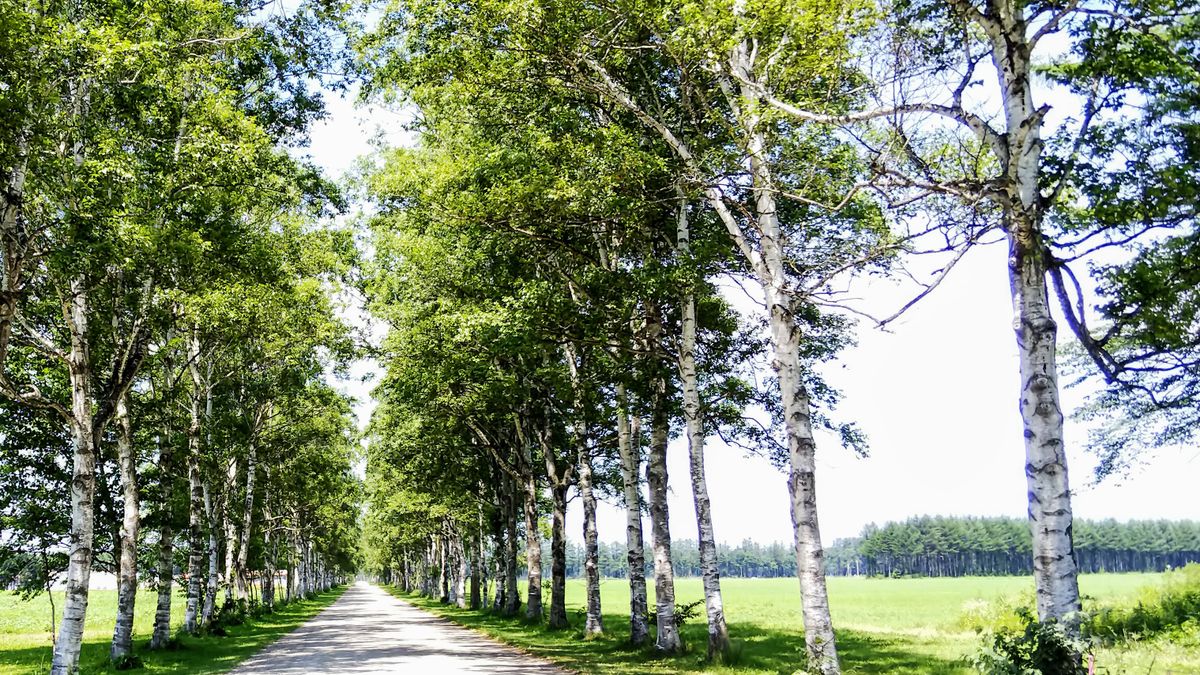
(936, 395)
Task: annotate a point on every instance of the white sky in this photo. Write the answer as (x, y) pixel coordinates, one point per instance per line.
(937, 397)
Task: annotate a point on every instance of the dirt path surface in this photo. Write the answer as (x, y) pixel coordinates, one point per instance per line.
(369, 631)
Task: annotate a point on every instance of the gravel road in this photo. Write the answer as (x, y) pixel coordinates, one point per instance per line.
(369, 631)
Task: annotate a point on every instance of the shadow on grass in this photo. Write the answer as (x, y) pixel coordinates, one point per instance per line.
(201, 655)
(760, 649)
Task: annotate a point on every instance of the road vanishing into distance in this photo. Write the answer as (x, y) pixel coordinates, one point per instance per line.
(369, 631)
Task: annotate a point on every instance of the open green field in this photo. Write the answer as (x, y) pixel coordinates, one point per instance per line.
(905, 626)
(25, 645)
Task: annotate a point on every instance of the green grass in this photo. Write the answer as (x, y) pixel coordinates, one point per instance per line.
(25, 645)
(902, 626)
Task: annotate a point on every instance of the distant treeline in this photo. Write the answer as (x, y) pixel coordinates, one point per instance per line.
(937, 546)
(747, 559)
(955, 546)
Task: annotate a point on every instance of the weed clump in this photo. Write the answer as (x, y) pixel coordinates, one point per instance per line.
(127, 662)
(1170, 610)
(1037, 648)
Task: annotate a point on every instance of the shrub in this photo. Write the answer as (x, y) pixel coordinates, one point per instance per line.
(231, 613)
(683, 613)
(257, 609)
(1037, 648)
(1172, 608)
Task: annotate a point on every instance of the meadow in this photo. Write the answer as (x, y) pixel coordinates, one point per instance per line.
(902, 626)
(25, 643)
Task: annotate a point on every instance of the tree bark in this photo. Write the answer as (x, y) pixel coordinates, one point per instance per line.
(667, 639)
(498, 574)
(512, 599)
(427, 573)
(122, 642)
(269, 569)
(477, 581)
(214, 553)
(460, 557)
(634, 547)
(192, 620)
(810, 568)
(533, 545)
(558, 558)
(594, 621)
(594, 624)
(1055, 566)
(781, 302)
(243, 555)
(718, 632)
(230, 526)
(443, 570)
(290, 581)
(301, 567)
(83, 485)
(166, 550)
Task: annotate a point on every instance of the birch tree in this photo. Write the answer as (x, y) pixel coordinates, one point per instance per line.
(84, 220)
(1015, 168)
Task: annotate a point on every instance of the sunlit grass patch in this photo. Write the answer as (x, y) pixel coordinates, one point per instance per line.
(25, 646)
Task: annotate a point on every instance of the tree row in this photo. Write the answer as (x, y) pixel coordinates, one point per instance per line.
(594, 187)
(168, 313)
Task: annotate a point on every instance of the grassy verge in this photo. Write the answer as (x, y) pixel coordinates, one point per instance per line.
(25, 643)
(759, 649)
(903, 627)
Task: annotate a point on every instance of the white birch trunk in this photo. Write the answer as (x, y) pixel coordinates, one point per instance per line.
(498, 575)
(667, 638)
(634, 547)
(460, 579)
(1055, 568)
(306, 582)
(83, 485)
(511, 597)
(558, 557)
(230, 527)
(122, 642)
(269, 568)
(426, 570)
(594, 621)
(594, 624)
(290, 580)
(192, 621)
(478, 580)
(443, 570)
(214, 555)
(802, 490)
(243, 556)
(166, 552)
(533, 546)
(785, 338)
(718, 633)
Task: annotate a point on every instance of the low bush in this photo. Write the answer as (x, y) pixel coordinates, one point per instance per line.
(1036, 648)
(1171, 609)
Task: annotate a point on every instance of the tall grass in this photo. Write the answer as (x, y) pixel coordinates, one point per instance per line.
(1171, 608)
